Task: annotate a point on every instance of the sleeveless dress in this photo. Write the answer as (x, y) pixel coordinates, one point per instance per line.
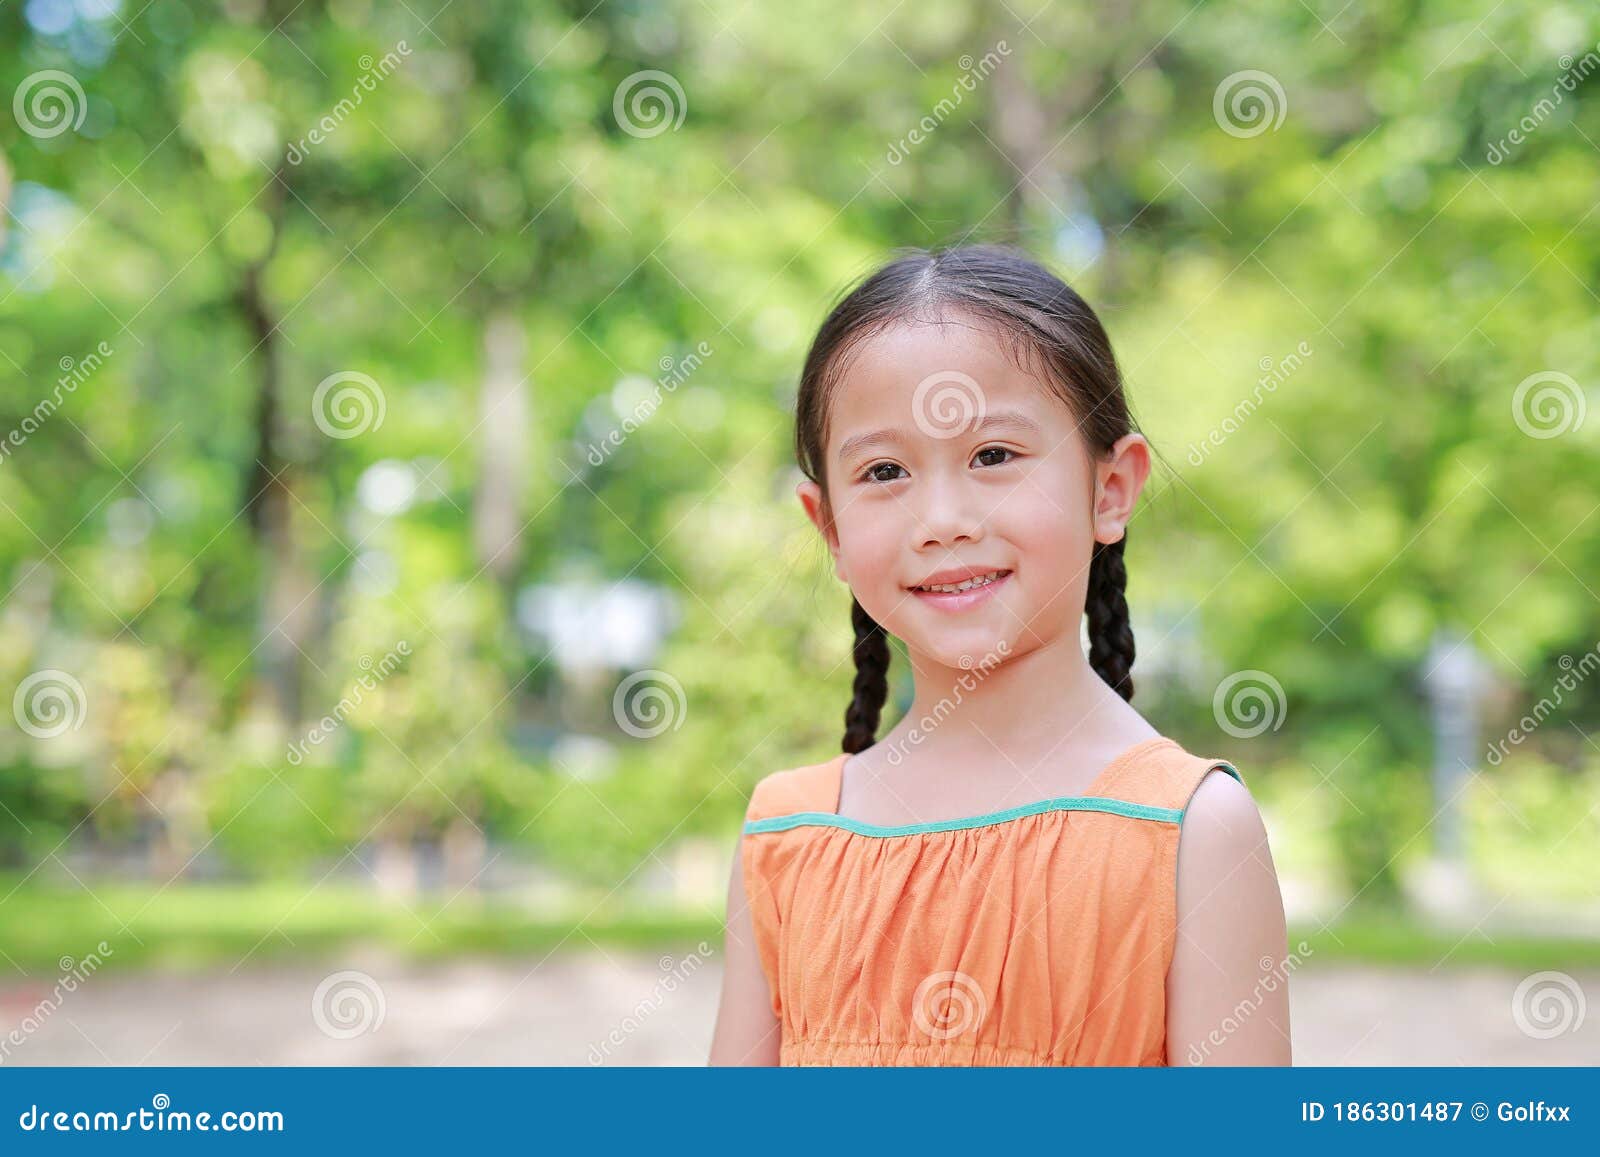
(1038, 935)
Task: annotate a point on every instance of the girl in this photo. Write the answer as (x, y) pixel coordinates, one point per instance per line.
(1000, 879)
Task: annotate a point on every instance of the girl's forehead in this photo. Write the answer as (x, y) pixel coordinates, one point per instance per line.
(916, 349)
(911, 370)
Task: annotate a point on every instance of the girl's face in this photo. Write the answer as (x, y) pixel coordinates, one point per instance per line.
(944, 460)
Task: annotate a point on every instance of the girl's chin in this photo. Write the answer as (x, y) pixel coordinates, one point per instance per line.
(976, 654)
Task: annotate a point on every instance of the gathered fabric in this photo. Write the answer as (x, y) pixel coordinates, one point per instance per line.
(1037, 935)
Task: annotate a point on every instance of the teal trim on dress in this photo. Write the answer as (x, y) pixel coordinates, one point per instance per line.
(1080, 803)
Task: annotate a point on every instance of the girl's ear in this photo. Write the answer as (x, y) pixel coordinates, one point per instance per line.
(810, 495)
(1120, 476)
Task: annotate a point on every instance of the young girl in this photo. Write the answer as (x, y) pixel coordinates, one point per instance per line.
(999, 880)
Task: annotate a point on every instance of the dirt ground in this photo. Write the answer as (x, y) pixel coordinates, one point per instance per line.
(603, 1007)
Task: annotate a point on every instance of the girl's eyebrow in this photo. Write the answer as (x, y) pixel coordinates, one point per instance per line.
(1000, 419)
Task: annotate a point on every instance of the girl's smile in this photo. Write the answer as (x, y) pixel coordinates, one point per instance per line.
(961, 589)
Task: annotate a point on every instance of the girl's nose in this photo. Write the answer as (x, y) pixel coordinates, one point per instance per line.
(950, 516)
(933, 541)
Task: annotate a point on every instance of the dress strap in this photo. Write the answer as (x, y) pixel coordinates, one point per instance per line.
(1160, 774)
(812, 788)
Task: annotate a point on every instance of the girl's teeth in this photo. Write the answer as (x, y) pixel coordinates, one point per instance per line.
(950, 588)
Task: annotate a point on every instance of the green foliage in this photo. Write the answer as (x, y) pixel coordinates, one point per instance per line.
(187, 540)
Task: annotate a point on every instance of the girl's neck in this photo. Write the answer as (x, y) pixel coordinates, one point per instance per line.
(1043, 701)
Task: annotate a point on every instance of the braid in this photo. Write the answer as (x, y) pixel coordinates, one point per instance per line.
(1110, 634)
(872, 684)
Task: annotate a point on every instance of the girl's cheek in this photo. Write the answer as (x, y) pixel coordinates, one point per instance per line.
(1047, 518)
(881, 548)
(868, 545)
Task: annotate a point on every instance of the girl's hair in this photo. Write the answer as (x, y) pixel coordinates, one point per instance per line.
(1044, 324)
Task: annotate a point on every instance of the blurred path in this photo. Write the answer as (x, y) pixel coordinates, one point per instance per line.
(580, 1008)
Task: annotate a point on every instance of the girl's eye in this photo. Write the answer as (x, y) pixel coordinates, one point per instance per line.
(871, 474)
(994, 450)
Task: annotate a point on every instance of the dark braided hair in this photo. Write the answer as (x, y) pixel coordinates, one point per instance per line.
(1046, 326)
(1110, 634)
(872, 681)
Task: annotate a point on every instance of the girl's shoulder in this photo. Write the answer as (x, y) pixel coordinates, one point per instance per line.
(812, 787)
(1161, 772)
(1155, 773)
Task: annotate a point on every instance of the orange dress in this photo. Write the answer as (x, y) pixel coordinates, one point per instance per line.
(1038, 935)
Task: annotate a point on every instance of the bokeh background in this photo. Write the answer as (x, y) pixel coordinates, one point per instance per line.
(403, 581)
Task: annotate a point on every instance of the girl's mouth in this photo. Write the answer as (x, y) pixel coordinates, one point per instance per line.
(964, 595)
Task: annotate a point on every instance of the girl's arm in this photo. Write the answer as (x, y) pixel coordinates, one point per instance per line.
(747, 1031)
(1228, 986)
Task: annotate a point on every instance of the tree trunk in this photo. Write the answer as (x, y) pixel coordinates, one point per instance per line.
(502, 449)
(288, 608)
